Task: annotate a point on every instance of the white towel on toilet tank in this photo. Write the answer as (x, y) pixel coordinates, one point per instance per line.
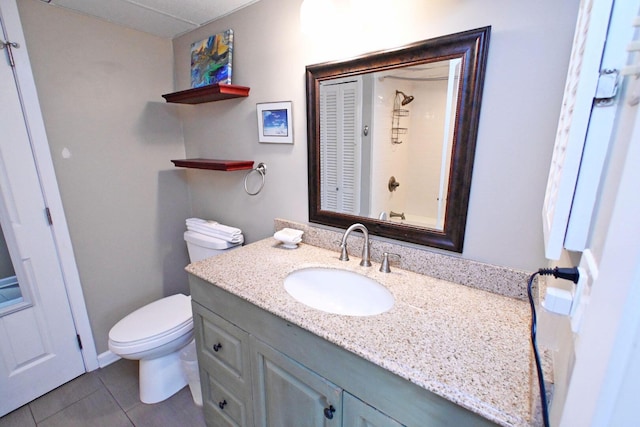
(215, 229)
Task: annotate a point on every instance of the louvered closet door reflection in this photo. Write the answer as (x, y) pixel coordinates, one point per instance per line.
(340, 147)
(329, 147)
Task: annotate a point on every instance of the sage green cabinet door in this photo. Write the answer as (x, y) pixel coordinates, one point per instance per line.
(286, 394)
(356, 413)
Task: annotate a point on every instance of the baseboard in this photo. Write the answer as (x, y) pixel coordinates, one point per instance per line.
(107, 358)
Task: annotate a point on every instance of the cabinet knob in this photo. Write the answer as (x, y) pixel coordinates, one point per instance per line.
(328, 412)
(217, 347)
(222, 404)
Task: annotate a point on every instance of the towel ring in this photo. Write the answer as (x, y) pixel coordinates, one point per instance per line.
(262, 170)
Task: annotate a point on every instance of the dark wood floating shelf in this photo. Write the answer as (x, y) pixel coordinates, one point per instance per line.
(214, 92)
(214, 164)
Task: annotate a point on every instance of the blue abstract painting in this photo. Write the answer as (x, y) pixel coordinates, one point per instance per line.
(211, 60)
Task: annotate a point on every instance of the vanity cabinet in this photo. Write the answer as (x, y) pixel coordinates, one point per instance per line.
(272, 373)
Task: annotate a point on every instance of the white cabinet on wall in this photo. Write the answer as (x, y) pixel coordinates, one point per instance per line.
(603, 31)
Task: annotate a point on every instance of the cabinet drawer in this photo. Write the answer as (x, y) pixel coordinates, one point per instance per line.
(222, 406)
(223, 347)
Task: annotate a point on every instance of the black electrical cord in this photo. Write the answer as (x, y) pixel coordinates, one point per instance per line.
(559, 273)
(543, 391)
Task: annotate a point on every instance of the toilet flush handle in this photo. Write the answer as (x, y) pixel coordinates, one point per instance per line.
(217, 347)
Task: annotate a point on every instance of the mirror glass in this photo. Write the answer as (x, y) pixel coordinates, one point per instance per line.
(392, 138)
(9, 288)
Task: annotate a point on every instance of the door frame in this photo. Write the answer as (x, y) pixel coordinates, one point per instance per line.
(50, 191)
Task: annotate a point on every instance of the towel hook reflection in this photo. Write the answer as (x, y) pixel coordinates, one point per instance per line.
(262, 170)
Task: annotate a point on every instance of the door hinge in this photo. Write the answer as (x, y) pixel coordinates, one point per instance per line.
(79, 341)
(8, 46)
(48, 214)
(607, 88)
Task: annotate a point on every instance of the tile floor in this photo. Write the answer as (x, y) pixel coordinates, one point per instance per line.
(107, 397)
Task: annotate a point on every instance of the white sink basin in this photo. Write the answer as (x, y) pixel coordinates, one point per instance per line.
(338, 291)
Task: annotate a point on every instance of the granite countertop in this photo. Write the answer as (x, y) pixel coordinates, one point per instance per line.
(467, 345)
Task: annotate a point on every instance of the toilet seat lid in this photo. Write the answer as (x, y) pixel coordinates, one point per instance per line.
(154, 320)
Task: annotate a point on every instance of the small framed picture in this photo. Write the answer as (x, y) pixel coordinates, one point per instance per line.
(275, 122)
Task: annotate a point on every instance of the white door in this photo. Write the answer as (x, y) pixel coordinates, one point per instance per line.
(39, 348)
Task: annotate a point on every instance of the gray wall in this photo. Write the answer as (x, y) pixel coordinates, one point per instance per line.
(527, 64)
(112, 137)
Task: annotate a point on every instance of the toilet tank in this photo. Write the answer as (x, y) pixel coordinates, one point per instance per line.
(201, 246)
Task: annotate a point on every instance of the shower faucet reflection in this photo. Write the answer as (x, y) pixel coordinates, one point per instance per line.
(400, 215)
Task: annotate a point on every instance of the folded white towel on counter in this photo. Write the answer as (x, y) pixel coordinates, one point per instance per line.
(289, 235)
(214, 229)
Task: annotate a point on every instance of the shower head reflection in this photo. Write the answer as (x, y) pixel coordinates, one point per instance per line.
(405, 98)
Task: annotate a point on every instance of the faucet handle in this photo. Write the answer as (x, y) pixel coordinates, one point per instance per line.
(384, 266)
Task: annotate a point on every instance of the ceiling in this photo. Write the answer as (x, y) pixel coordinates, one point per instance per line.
(163, 18)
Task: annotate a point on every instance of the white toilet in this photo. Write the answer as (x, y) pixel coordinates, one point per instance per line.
(156, 333)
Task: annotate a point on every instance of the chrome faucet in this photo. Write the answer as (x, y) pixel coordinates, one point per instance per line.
(344, 256)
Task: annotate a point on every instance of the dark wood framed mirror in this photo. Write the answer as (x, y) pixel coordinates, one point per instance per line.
(392, 138)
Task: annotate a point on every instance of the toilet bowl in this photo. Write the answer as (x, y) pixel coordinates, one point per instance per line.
(156, 333)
